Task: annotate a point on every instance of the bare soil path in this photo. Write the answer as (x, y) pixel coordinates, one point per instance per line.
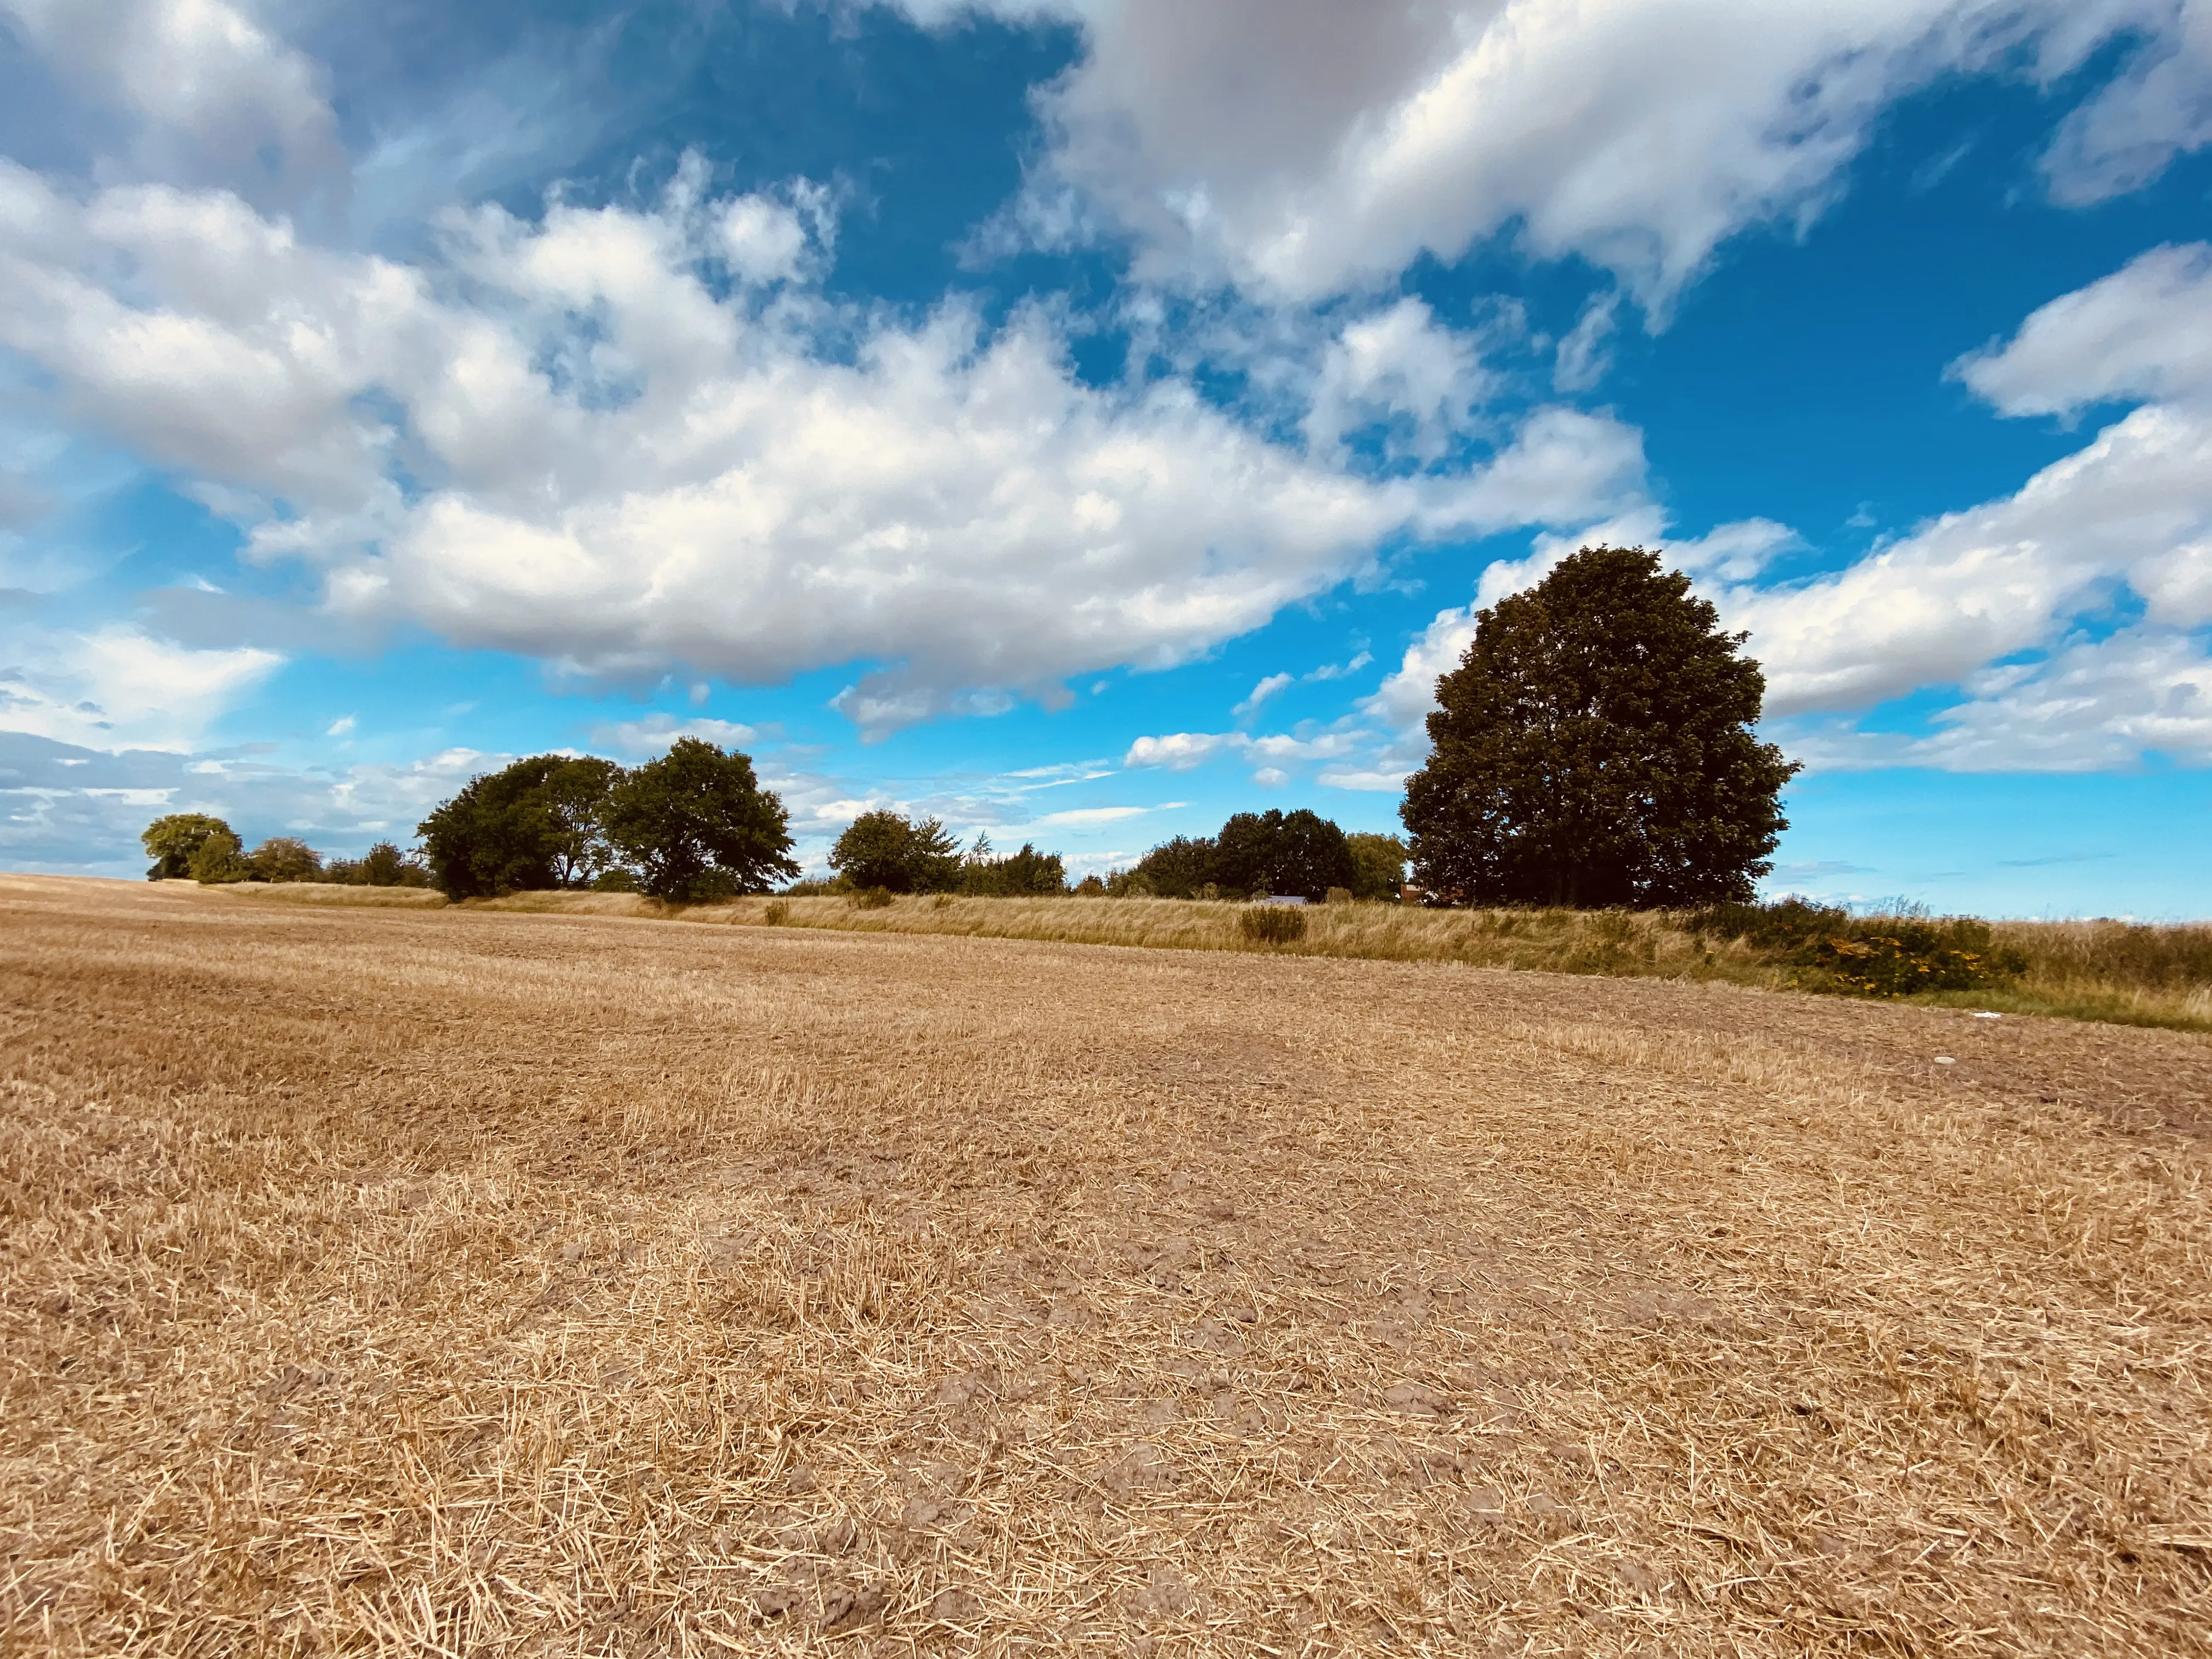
(437, 1282)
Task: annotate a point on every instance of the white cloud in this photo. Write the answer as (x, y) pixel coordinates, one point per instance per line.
(213, 97)
(2134, 506)
(342, 727)
(1399, 368)
(2161, 107)
(1085, 816)
(2088, 706)
(656, 732)
(1583, 360)
(119, 688)
(1179, 751)
(2144, 333)
(1271, 777)
(629, 470)
(1266, 688)
(1313, 148)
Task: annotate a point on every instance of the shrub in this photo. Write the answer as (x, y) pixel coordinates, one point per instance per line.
(1888, 956)
(870, 898)
(1338, 895)
(1272, 924)
(616, 880)
(777, 913)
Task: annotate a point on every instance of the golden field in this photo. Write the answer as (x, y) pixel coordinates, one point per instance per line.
(390, 1280)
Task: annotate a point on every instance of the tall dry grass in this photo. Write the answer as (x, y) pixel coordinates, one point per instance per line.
(2129, 973)
(432, 1282)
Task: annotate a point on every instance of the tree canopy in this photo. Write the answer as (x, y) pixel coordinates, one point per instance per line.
(885, 848)
(697, 825)
(1378, 866)
(171, 841)
(1296, 855)
(1593, 747)
(499, 834)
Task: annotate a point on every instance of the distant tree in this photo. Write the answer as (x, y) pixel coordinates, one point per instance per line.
(1290, 854)
(697, 825)
(499, 834)
(383, 865)
(1378, 866)
(171, 841)
(575, 795)
(285, 858)
(221, 858)
(1176, 868)
(1593, 747)
(1025, 874)
(885, 848)
(872, 851)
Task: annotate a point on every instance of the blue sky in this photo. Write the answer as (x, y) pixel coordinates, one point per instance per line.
(1081, 419)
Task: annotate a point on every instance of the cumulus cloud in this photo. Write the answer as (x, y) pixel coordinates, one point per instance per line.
(209, 95)
(1992, 598)
(616, 439)
(2144, 333)
(1401, 369)
(2134, 507)
(1311, 148)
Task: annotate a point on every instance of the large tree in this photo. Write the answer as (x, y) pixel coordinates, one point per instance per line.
(171, 841)
(697, 825)
(1593, 747)
(1290, 854)
(500, 834)
(885, 848)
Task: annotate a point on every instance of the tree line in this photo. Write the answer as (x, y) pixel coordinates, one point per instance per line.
(1593, 747)
(193, 845)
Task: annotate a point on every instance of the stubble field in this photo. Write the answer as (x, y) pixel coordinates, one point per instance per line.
(387, 1280)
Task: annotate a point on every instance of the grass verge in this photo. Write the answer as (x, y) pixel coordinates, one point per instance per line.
(2121, 973)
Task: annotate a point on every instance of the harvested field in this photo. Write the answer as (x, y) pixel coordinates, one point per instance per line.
(418, 1281)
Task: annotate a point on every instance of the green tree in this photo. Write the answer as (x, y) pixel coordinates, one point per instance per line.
(1593, 747)
(885, 848)
(1024, 874)
(221, 858)
(499, 834)
(1292, 854)
(872, 851)
(575, 794)
(1378, 866)
(171, 841)
(285, 858)
(697, 825)
(1176, 868)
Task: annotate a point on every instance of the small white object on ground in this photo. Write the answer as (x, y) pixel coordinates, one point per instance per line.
(1945, 1059)
(1989, 1016)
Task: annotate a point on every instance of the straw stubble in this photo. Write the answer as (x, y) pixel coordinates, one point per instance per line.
(437, 1281)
